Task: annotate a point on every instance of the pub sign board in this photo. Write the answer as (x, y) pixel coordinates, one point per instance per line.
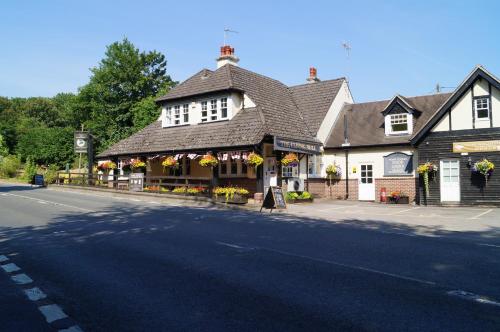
(136, 182)
(283, 144)
(81, 141)
(275, 199)
(476, 146)
(398, 164)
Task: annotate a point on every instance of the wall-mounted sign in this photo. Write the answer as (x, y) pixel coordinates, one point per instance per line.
(354, 170)
(283, 144)
(81, 141)
(398, 164)
(477, 146)
(136, 182)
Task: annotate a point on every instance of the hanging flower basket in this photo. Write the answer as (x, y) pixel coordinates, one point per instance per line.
(425, 170)
(170, 162)
(290, 159)
(484, 167)
(255, 159)
(333, 171)
(106, 166)
(208, 161)
(138, 165)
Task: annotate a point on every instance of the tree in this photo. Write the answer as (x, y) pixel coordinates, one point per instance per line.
(144, 113)
(4, 150)
(47, 146)
(121, 80)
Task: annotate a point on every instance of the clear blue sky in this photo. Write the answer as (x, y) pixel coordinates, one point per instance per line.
(397, 46)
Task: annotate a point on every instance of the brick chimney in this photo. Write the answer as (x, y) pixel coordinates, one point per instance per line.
(313, 75)
(227, 56)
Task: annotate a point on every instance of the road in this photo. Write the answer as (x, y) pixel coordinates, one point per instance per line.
(134, 264)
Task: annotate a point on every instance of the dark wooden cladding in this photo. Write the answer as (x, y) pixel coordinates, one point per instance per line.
(473, 188)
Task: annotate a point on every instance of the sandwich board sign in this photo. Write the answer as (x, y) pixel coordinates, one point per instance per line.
(274, 199)
(136, 182)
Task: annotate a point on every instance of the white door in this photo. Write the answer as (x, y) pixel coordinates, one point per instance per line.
(450, 180)
(270, 173)
(366, 183)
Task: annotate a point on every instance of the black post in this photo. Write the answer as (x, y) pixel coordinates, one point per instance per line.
(90, 157)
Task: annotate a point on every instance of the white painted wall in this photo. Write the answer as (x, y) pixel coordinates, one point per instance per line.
(495, 106)
(461, 112)
(373, 156)
(343, 97)
(443, 124)
(481, 88)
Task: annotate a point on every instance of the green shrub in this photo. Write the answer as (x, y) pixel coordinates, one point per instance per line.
(305, 195)
(29, 169)
(291, 195)
(50, 175)
(9, 166)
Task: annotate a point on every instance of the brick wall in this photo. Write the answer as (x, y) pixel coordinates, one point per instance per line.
(407, 186)
(321, 188)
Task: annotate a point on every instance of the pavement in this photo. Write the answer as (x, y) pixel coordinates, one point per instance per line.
(126, 263)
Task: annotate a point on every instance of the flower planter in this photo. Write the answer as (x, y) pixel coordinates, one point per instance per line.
(236, 199)
(300, 201)
(400, 200)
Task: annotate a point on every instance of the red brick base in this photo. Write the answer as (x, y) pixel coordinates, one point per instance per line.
(321, 187)
(407, 186)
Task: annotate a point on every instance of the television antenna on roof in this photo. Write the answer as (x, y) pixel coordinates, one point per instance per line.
(226, 31)
(347, 48)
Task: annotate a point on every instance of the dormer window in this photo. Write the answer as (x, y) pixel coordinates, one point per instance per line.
(204, 111)
(185, 113)
(177, 115)
(482, 108)
(213, 110)
(399, 123)
(223, 108)
(168, 116)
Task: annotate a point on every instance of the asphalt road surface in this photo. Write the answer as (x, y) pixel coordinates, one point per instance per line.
(124, 264)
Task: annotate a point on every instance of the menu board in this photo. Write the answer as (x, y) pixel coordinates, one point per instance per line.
(274, 199)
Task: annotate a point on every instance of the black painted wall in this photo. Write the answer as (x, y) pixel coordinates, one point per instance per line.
(473, 188)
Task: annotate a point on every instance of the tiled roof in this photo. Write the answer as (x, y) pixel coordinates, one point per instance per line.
(365, 121)
(315, 99)
(278, 113)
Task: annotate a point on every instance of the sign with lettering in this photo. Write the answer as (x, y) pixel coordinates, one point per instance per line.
(398, 164)
(136, 182)
(81, 141)
(283, 144)
(274, 199)
(476, 146)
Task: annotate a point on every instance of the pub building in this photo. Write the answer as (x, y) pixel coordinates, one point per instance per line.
(381, 145)
(229, 113)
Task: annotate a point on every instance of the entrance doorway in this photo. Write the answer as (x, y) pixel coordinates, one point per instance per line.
(450, 180)
(270, 173)
(366, 183)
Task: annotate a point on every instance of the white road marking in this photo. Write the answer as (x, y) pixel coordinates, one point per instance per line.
(488, 245)
(52, 312)
(51, 202)
(35, 294)
(230, 245)
(473, 297)
(11, 267)
(3, 258)
(397, 233)
(354, 267)
(405, 210)
(481, 214)
(74, 328)
(21, 279)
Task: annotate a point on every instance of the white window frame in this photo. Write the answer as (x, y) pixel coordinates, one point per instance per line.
(239, 168)
(185, 113)
(204, 108)
(177, 115)
(214, 111)
(398, 119)
(168, 116)
(223, 108)
(316, 161)
(478, 107)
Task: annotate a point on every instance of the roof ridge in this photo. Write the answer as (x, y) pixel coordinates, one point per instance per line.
(316, 83)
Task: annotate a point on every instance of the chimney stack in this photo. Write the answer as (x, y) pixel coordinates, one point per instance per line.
(313, 75)
(227, 56)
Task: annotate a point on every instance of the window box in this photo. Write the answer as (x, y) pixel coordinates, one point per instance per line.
(398, 200)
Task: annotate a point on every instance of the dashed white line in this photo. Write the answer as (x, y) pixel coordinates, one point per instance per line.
(405, 210)
(51, 202)
(3, 258)
(35, 294)
(481, 214)
(488, 245)
(21, 279)
(230, 245)
(52, 312)
(473, 297)
(11, 267)
(354, 267)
